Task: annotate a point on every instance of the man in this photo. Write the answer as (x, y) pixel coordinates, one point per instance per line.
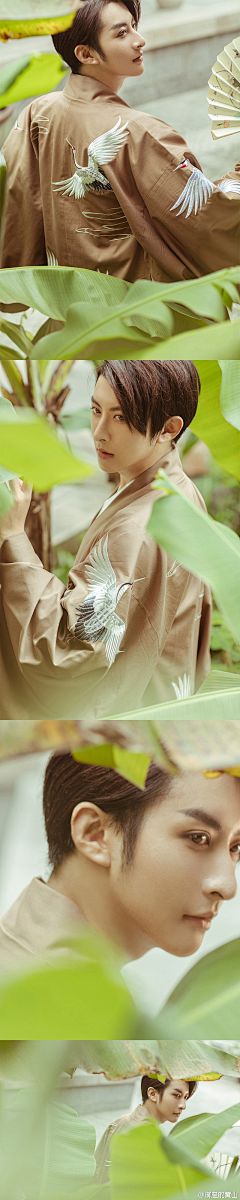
(161, 1102)
(133, 626)
(94, 184)
(143, 867)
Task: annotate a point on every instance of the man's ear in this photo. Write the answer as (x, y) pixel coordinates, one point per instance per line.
(85, 55)
(89, 828)
(152, 1095)
(170, 429)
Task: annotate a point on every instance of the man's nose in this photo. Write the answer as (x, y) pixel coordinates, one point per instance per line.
(140, 41)
(100, 429)
(223, 883)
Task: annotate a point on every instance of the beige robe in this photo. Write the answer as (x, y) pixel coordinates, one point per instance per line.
(132, 230)
(129, 1121)
(34, 923)
(48, 671)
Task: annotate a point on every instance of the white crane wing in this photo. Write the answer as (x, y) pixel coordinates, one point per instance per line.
(105, 147)
(196, 192)
(74, 186)
(114, 638)
(100, 573)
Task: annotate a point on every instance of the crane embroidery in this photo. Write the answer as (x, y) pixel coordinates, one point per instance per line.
(96, 617)
(91, 178)
(196, 192)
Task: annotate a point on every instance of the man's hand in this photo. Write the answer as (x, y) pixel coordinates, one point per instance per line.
(14, 520)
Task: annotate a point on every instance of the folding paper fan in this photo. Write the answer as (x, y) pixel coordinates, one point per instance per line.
(224, 92)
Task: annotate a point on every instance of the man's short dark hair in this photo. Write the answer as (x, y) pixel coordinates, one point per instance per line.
(68, 782)
(151, 392)
(148, 1081)
(86, 28)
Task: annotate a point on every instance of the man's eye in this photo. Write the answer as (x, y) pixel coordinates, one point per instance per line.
(199, 839)
(236, 850)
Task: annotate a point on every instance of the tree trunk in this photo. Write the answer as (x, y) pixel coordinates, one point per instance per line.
(38, 527)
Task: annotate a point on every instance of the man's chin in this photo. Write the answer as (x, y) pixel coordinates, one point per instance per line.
(189, 947)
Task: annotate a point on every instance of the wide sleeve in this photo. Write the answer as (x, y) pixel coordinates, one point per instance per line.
(55, 637)
(23, 241)
(198, 219)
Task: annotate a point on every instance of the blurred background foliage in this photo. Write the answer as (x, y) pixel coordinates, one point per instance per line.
(47, 1147)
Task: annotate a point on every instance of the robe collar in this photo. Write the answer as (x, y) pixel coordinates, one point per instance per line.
(83, 88)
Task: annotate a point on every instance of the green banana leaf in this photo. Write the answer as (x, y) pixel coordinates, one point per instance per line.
(208, 549)
(218, 698)
(11, 71)
(202, 343)
(175, 747)
(230, 392)
(206, 1002)
(220, 386)
(37, 75)
(32, 18)
(58, 1157)
(141, 1166)
(31, 449)
(140, 313)
(3, 196)
(199, 1134)
(132, 766)
(175, 1059)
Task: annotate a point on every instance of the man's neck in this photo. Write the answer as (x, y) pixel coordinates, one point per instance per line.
(87, 885)
(150, 461)
(114, 82)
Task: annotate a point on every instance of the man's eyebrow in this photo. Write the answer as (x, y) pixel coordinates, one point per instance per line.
(120, 25)
(201, 815)
(116, 409)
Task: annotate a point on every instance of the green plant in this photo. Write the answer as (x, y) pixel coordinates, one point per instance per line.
(47, 1150)
(32, 75)
(45, 392)
(31, 19)
(101, 316)
(223, 646)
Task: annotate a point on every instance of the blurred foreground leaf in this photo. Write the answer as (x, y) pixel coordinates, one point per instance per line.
(216, 401)
(141, 1167)
(35, 76)
(81, 987)
(31, 448)
(230, 393)
(208, 549)
(206, 1002)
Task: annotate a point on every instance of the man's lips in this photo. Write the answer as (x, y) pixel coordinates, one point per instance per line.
(139, 57)
(104, 453)
(202, 921)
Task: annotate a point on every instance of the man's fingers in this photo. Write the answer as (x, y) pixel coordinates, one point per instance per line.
(20, 489)
(14, 485)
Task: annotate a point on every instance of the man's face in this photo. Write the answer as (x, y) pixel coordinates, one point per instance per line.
(184, 862)
(119, 448)
(120, 42)
(173, 1101)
